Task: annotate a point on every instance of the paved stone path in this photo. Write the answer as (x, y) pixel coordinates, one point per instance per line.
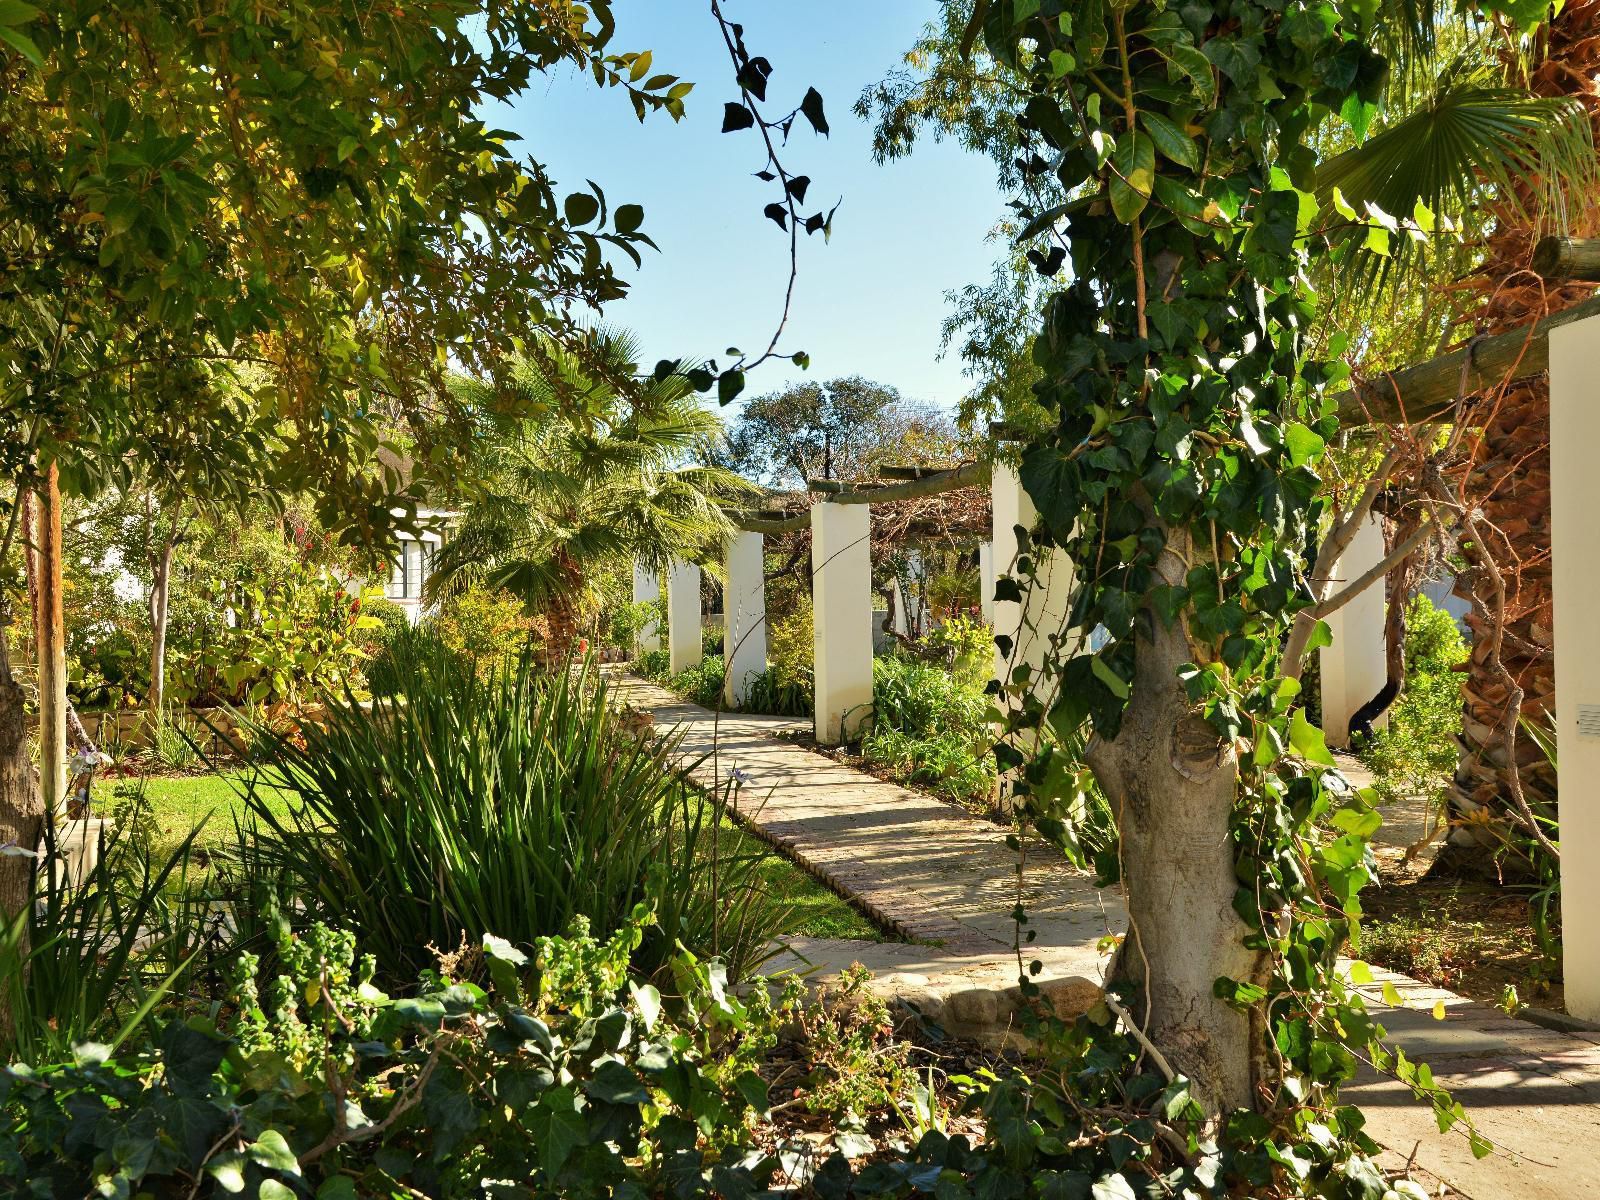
(925, 869)
(947, 881)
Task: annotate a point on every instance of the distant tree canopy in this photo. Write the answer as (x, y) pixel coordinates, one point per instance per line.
(843, 429)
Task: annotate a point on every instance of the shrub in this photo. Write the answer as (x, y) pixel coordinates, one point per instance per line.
(777, 694)
(702, 683)
(391, 618)
(563, 1079)
(1415, 754)
(296, 636)
(510, 802)
(930, 728)
(486, 626)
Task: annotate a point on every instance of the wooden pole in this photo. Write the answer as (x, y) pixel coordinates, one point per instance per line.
(51, 650)
(1568, 258)
(1428, 391)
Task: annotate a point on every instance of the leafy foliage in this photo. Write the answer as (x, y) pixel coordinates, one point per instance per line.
(513, 801)
(563, 1076)
(238, 243)
(1180, 476)
(842, 429)
(930, 727)
(294, 636)
(602, 477)
(1415, 753)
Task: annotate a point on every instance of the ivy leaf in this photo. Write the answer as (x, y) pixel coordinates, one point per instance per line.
(1304, 443)
(1112, 1187)
(797, 186)
(1173, 142)
(271, 1150)
(736, 117)
(1308, 741)
(1104, 673)
(778, 213)
(811, 110)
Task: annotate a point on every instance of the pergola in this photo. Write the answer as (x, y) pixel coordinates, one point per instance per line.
(1566, 344)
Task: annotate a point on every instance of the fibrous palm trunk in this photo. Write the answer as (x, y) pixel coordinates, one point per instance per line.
(1508, 479)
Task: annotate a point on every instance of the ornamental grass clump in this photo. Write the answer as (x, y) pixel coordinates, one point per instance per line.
(512, 802)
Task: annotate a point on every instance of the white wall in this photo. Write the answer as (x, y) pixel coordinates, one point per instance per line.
(1575, 547)
(841, 566)
(1353, 669)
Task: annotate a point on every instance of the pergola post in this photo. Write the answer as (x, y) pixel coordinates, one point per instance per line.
(684, 645)
(647, 590)
(1043, 613)
(744, 607)
(1575, 569)
(1354, 668)
(986, 580)
(841, 589)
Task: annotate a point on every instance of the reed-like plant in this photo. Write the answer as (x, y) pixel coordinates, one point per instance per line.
(89, 959)
(462, 804)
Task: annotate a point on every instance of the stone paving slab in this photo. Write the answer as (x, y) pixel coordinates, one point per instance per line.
(948, 881)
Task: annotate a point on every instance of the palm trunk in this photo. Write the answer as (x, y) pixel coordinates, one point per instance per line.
(1508, 478)
(1173, 783)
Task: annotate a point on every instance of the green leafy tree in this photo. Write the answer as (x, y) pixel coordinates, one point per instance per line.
(307, 191)
(842, 429)
(1181, 478)
(565, 497)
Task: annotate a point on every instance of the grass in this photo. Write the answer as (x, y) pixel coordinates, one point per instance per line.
(180, 802)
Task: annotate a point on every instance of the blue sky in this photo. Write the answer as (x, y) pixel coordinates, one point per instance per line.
(870, 301)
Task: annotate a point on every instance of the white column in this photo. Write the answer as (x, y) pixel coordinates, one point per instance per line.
(1037, 626)
(1575, 549)
(902, 613)
(683, 615)
(647, 589)
(1353, 668)
(986, 580)
(841, 593)
(744, 622)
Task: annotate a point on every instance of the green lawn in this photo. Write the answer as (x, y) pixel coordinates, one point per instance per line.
(180, 802)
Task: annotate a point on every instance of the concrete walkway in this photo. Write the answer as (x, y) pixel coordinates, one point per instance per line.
(947, 881)
(926, 870)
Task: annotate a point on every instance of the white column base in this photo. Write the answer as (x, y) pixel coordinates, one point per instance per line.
(1575, 548)
(684, 646)
(841, 565)
(1353, 669)
(646, 589)
(744, 606)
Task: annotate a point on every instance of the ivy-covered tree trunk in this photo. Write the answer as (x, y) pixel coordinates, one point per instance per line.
(1181, 477)
(1173, 782)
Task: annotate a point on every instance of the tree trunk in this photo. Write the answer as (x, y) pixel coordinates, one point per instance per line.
(50, 646)
(1508, 478)
(160, 591)
(1172, 783)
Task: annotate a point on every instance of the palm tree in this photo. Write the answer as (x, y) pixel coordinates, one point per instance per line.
(1503, 140)
(565, 496)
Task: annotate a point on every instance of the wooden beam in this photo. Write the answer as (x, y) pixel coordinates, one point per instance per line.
(967, 475)
(1427, 392)
(1568, 258)
(792, 524)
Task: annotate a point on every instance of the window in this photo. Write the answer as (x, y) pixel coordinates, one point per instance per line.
(409, 571)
